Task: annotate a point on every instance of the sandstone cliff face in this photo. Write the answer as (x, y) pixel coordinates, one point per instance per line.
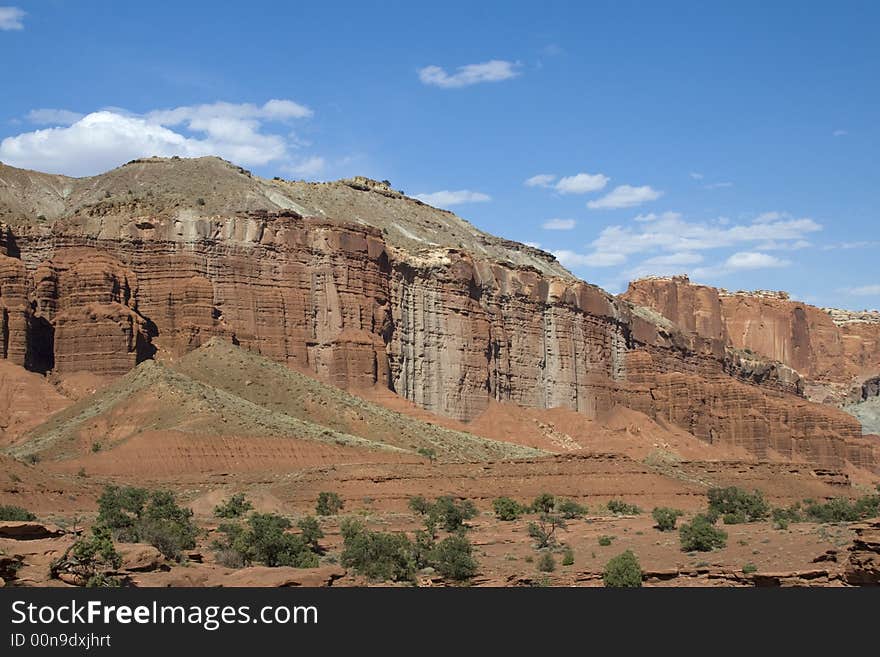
(449, 319)
(823, 345)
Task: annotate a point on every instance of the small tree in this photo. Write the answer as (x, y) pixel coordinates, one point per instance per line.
(570, 509)
(621, 508)
(311, 532)
(453, 558)
(738, 505)
(623, 571)
(544, 530)
(701, 535)
(507, 509)
(544, 503)
(379, 556)
(90, 559)
(666, 518)
(329, 504)
(235, 507)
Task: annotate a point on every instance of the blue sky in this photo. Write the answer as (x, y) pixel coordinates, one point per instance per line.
(734, 141)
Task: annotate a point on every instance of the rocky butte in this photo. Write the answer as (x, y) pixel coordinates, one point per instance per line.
(360, 285)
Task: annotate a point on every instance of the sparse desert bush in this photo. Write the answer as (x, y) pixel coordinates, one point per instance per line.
(264, 539)
(453, 558)
(90, 559)
(666, 518)
(623, 571)
(701, 535)
(428, 452)
(544, 503)
(750, 568)
(311, 532)
(842, 509)
(445, 512)
(380, 556)
(621, 508)
(605, 540)
(782, 517)
(507, 509)
(235, 507)
(570, 509)
(546, 563)
(329, 504)
(137, 515)
(567, 556)
(737, 518)
(544, 529)
(12, 512)
(738, 505)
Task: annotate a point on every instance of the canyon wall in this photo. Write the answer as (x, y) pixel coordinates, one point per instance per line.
(823, 345)
(449, 327)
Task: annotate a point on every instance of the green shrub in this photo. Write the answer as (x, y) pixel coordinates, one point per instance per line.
(621, 508)
(782, 517)
(623, 571)
(445, 512)
(605, 541)
(842, 509)
(570, 509)
(265, 539)
(737, 503)
(428, 452)
(737, 518)
(12, 512)
(96, 446)
(453, 558)
(507, 509)
(544, 529)
(379, 556)
(544, 503)
(310, 532)
(701, 535)
(136, 515)
(546, 564)
(90, 559)
(235, 507)
(750, 568)
(567, 556)
(666, 518)
(329, 504)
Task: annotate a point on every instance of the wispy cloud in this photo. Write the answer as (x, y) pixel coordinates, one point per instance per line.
(718, 185)
(494, 70)
(559, 224)
(582, 183)
(540, 180)
(446, 198)
(697, 176)
(862, 244)
(840, 133)
(309, 167)
(104, 139)
(625, 196)
(52, 117)
(11, 18)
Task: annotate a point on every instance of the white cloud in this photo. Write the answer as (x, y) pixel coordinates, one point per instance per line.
(767, 217)
(863, 244)
(682, 258)
(102, 140)
(742, 261)
(447, 198)
(491, 71)
(572, 259)
(773, 245)
(864, 291)
(582, 183)
(53, 117)
(667, 216)
(697, 176)
(718, 185)
(625, 196)
(559, 224)
(535, 245)
(540, 180)
(839, 133)
(11, 18)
